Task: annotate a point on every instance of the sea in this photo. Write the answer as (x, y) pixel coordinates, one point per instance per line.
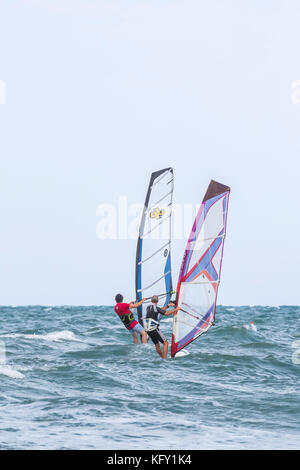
(71, 378)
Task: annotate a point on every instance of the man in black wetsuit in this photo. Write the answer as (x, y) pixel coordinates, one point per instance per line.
(153, 311)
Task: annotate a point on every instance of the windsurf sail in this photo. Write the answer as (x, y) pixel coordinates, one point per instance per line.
(153, 259)
(200, 271)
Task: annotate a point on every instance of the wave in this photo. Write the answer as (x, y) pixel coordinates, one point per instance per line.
(9, 371)
(56, 336)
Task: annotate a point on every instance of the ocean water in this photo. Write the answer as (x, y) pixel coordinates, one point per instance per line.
(71, 378)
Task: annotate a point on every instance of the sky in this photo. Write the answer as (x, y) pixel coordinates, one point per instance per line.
(99, 94)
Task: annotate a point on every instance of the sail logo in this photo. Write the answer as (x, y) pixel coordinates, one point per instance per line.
(157, 213)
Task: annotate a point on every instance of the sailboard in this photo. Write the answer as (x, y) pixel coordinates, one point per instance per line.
(200, 270)
(153, 258)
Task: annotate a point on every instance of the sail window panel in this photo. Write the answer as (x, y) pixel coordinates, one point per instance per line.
(161, 193)
(213, 225)
(153, 269)
(217, 259)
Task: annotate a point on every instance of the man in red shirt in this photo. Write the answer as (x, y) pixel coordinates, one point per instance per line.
(126, 316)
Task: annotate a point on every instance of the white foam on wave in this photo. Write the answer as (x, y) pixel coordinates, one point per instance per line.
(252, 326)
(61, 336)
(56, 336)
(10, 372)
(217, 403)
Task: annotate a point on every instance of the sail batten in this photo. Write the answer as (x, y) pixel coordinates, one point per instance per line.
(155, 282)
(151, 256)
(157, 202)
(200, 270)
(155, 227)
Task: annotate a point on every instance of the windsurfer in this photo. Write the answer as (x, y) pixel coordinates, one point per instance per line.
(155, 334)
(126, 316)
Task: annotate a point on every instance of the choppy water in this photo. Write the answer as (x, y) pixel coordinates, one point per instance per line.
(73, 379)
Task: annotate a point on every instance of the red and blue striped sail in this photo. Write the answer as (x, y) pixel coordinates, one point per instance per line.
(200, 271)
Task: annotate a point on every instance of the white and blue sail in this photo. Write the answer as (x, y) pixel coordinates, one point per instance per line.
(153, 258)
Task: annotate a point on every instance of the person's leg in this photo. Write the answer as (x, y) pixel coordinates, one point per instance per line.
(160, 337)
(141, 322)
(144, 337)
(165, 349)
(135, 337)
(139, 330)
(157, 346)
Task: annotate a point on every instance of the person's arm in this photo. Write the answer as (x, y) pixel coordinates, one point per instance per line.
(136, 304)
(171, 312)
(171, 304)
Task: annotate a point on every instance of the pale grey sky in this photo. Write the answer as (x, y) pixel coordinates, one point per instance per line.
(102, 93)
